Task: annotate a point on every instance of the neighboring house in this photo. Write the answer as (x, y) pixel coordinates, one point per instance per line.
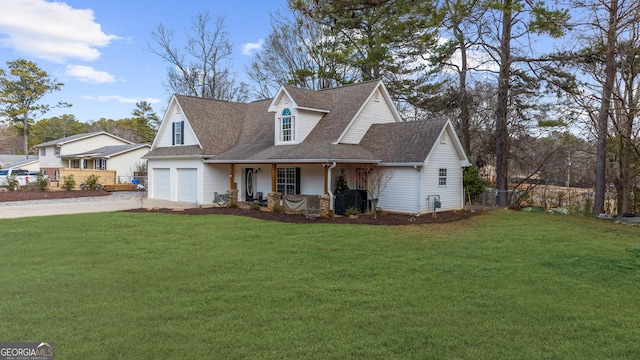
(95, 150)
(299, 142)
(30, 163)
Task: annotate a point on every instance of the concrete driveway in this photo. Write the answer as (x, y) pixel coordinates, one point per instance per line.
(21, 209)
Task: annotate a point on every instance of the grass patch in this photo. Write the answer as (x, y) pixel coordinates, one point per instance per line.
(501, 285)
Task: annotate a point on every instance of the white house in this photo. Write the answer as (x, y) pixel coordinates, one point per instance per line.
(299, 142)
(95, 150)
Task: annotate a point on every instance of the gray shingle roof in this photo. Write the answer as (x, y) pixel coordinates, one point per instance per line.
(409, 141)
(234, 132)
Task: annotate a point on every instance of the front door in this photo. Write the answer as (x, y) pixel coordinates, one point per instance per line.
(249, 179)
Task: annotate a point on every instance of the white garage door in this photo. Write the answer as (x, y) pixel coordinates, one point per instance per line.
(161, 184)
(188, 185)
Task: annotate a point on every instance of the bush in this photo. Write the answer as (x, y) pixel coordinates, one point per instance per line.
(254, 206)
(351, 211)
(68, 182)
(473, 184)
(12, 183)
(91, 182)
(42, 182)
(277, 208)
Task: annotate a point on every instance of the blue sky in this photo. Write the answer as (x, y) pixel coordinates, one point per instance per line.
(99, 48)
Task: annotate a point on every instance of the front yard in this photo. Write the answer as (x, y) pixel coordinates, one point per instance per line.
(500, 285)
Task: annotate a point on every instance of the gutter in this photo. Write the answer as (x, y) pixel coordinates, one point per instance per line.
(294, 161)
(329, 186)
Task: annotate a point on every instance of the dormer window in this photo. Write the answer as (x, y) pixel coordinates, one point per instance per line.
(287, 126)
(178, 133)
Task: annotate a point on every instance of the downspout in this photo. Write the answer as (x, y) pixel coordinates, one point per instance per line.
(329, 186)
(419, 170)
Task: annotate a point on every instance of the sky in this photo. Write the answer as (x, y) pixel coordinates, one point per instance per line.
(99, 49)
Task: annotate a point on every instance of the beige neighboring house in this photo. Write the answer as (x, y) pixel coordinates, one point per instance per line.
(300, 142)
(20, 162)
(95, 150)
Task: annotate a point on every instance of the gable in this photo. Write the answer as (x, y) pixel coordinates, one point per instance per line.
(377, 110)
(165, 136)
(412, 142)
(89, 143)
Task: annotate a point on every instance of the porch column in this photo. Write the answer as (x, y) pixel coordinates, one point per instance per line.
(273, 177)
(326, 179)
(232, 169)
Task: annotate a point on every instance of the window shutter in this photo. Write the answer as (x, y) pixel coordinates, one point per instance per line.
(181, 132)
(297, 180)
(173, 133)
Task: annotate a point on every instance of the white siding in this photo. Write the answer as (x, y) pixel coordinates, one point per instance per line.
(88, 144)
(443, 156)
(216, 180)
(50, 160)
(165, 134)
(374, 112)
(402, 191)
(125, 164)
(307, 120)
(312, 179)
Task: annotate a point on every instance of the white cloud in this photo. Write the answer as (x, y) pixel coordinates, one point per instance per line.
(248, 48)
(51, 30)
(89, 74)
(120, 99)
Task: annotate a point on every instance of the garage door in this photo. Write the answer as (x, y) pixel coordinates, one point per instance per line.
(161, 184)
(188, 185)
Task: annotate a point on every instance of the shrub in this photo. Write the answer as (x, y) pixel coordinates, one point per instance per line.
(68, 182)
(277, 208)
(473, 183)
(12, 183)
(91, 182)
(42, 182)
(351, 211)
(254, 206)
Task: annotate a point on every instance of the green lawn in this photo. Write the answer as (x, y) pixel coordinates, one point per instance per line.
(502, 285)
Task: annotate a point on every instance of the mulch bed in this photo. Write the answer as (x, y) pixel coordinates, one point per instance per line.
(383, 218)
(49, 194)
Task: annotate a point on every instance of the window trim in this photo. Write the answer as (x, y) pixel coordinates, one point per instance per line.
(43, 151)
(442, 177)
(288, 181)
(177, 133)
(56, 151)
(288, 135)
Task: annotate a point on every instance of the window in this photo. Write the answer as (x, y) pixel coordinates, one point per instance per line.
(361, 178)
(100, 164)
(442, 177)
(43, 151)
(74, 164)
(178, 133)
(287, 126)
(288, 181)
(85, 164)
(443, 138)
(56, 151)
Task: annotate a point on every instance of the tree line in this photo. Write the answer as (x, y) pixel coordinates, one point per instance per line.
(538, 92)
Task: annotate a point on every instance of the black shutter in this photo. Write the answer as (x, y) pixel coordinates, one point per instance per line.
(181, 132)
(298, 180)
(173, 133)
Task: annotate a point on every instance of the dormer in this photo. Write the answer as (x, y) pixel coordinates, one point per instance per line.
(296, 112)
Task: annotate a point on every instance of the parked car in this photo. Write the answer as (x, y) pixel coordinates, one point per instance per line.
(22, 176)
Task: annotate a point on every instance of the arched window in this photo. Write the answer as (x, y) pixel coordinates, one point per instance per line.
(287, 126)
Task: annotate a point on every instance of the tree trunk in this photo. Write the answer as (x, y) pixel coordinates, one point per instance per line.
(603, 116)
(502, 132)
(464, 104)
(25, 135)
